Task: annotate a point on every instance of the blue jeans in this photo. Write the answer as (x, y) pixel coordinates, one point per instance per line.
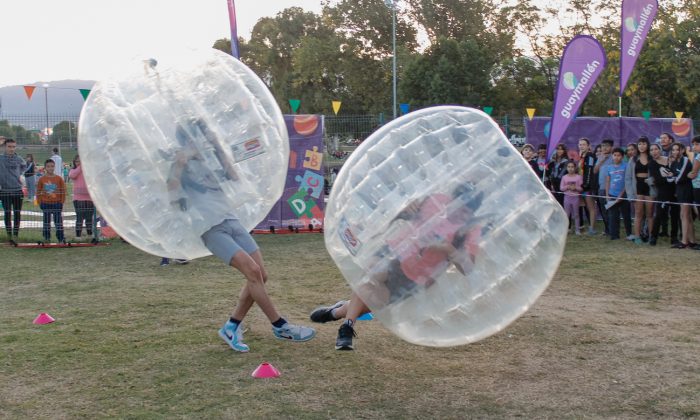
(53, 210)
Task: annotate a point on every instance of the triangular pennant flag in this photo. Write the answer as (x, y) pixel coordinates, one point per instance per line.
(336, 107)
(85, 93)
(612, 112)
(29, 90)
(679, 115)
(294, 103)
(530, 113)
(488, 110)
(646, 115)
(405, 108)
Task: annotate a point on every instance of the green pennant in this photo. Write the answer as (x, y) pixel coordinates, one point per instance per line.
(85, 93)
(294, 103)
(646, 115)
(488, 110)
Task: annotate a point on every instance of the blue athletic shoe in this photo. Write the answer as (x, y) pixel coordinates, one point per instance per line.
(293, 332)
(233, 336)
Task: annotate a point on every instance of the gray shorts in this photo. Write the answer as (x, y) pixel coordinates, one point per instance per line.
(227, 238)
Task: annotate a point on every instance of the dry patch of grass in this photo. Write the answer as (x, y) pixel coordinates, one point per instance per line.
(615, 335)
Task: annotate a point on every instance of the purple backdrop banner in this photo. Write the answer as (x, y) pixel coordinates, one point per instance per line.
(302, 202)
(621, 130)
(637, 17)
(581, 64)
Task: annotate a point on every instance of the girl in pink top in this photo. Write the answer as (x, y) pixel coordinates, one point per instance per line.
(84, 207)
(572, 186)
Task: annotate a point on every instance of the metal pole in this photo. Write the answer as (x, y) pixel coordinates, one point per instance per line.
(46, 107)
(393, 32)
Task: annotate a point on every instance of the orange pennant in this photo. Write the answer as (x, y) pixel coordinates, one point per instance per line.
(29, 90)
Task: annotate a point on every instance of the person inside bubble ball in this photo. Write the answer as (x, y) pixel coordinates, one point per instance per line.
(426, 238)
(195, 186)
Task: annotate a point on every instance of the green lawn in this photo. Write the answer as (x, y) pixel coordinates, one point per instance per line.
(615, 335)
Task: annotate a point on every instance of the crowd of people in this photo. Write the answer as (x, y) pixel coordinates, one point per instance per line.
(645, 184)
(46, 188)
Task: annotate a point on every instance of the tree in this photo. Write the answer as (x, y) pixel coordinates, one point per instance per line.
(64, 132)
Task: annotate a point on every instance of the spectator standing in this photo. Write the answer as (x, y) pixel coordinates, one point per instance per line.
(30, 177)
(557, 170)
(600, 169)
(630, 190)
(82, 202)
(643, 207)
(572, 185)
(51, 192)
(586, 164)
(658, 169)
(693, 175)
(615, 191)
(12, 166)
(681, 167)
(58, 161)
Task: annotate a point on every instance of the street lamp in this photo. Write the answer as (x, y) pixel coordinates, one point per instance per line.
(46, 107)
(392, 5)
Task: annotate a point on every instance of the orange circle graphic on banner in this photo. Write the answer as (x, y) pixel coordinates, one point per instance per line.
(681, 127)
(305, 124)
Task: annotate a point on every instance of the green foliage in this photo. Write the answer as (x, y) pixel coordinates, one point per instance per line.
(64, 132)
(471, 56)
(19, 133)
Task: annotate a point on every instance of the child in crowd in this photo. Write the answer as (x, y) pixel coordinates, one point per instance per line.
(572, 186)
(51, 193)
(615, 191)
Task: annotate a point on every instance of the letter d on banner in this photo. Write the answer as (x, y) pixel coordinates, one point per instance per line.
(581, 64)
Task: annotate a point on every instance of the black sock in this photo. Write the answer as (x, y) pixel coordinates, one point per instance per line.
(279, 323)
(235, 321)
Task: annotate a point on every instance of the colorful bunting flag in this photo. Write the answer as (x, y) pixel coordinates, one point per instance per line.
(29, 90)
(294, 103)
(530, 113)
(336, 107)
(85, 93)
(488, 110)
(405, 108)
(679, 114)
(646, 115)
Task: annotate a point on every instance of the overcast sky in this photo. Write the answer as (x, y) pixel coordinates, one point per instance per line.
(45, 40)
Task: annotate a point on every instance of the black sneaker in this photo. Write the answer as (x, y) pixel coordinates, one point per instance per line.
(345, 335)
(324, 314)
(652, 241)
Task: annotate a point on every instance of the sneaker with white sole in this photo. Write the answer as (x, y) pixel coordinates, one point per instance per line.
(233, 336)
(324, 314)
(293, 332)
(345, 335)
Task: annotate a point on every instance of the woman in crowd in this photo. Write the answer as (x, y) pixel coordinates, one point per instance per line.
(590, 187)
(557, 170)
(630, 191)
(644, 207)
(658, 169)
(681, 166)
(84, 208)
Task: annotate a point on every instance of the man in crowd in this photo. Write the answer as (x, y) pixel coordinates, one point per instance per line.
(12, 166)
(600, 168)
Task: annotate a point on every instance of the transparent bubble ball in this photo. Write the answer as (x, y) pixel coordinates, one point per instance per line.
(173, 149)
(442, 228)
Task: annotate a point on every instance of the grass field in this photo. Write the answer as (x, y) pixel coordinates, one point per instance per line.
(617, 334)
